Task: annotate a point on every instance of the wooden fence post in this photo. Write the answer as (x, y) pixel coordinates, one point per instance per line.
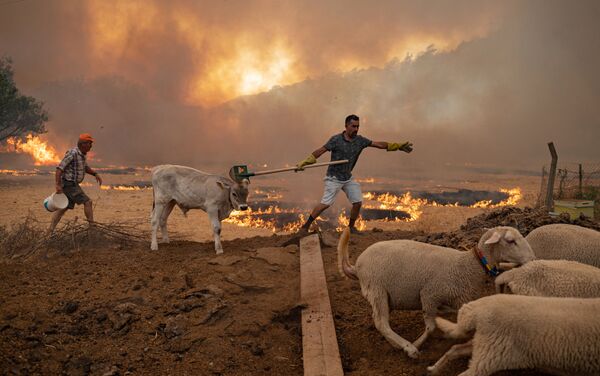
(580, 181)
(551, 176)
(541, 197)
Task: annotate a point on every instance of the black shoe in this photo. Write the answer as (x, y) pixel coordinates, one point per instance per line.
(354, 231)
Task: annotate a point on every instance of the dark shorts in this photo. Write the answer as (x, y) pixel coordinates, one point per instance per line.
(74, 193)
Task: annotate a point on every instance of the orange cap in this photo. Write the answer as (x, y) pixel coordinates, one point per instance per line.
(86, 137)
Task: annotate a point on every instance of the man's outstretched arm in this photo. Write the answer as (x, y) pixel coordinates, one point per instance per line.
(393, 146)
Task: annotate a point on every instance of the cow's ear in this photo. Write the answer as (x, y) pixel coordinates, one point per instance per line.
(222, 185)
(245, 183)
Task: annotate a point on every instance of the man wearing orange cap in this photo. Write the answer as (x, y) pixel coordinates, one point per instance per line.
(69, 174)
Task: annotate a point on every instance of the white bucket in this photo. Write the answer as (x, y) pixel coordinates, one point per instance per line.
(56, 201)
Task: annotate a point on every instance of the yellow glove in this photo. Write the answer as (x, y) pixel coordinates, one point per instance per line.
(405, 146)
(308, 161)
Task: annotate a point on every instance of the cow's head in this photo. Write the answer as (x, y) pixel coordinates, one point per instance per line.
(238, 193)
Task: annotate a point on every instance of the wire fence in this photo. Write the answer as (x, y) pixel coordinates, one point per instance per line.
(573, 181)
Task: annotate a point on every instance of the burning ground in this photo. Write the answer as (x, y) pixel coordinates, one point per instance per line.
(377, 206)
(275, 206)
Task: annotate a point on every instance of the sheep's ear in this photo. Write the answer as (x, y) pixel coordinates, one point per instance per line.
(495, 238)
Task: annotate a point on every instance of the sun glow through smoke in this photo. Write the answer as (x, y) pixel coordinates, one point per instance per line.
(249, 71)
(226, 62)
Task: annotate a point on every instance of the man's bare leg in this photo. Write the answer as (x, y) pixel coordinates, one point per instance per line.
(55, 219)
(354, 212)
(318, 210)
(313, 215)
(89, 211)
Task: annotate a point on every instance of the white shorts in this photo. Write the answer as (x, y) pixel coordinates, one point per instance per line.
(333, 186)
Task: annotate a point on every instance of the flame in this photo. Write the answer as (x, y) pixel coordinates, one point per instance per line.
(413, 206)
(42, 153)
(366, 180)
(123, 188)
(250, 218)
(406, 203)
(514, 196)
(386, 201)
(344, 221)
(22, 172)
(270, 196)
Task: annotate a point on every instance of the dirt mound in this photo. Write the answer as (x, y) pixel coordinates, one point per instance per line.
(525, 220)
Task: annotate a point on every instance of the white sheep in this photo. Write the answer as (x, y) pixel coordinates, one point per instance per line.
(409, 275)
(558, 278)
(517, 332)
(566, 242)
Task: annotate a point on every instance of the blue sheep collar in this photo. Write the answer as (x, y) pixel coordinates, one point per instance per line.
(490, 270)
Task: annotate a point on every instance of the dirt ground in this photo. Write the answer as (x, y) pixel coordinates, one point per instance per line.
(183, 310)
(110, 309)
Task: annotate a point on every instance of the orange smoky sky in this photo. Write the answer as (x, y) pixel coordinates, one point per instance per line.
(205, 53)
(215, 82)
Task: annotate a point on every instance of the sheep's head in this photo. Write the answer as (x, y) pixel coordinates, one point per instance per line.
(505, 244)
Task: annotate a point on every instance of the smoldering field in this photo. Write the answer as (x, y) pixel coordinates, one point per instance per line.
(126, 196)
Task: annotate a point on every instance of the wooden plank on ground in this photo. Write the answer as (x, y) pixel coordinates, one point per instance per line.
(319, 342)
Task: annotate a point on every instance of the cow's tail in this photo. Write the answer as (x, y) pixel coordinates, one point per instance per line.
(345, 268)
(153, 205)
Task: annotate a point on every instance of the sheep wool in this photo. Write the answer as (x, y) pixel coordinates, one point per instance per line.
(566, 242)
(558, 278)
(410, 275)
(518, 332)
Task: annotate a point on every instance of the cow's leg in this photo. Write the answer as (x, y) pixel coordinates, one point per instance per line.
(213, 215)
(163, 220)
(155, 222)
